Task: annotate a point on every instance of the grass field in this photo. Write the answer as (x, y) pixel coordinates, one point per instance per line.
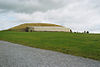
(85, 45)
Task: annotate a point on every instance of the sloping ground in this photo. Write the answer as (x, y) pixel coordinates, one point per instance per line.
(15, 55)
(22, 27)
(85, 45)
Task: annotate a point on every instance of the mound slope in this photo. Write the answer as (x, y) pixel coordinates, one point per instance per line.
(22, 27)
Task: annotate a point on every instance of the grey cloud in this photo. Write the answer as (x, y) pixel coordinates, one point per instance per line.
(30, 6)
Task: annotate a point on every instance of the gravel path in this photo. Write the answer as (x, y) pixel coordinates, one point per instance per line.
(14, 55)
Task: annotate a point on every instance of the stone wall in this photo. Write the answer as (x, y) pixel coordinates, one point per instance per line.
(49, 28)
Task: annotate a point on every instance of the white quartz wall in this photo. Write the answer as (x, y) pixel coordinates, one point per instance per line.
(51, 29)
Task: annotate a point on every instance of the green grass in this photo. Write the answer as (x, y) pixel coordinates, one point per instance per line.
(85, 45)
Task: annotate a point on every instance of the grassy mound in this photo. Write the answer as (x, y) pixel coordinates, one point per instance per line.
(22, 27)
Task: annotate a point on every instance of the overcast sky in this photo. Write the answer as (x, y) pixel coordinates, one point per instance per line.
(79, 15)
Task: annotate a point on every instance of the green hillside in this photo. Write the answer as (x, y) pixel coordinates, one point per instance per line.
(85, 45)
(22, 27)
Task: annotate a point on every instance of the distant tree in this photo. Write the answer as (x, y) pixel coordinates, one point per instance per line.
(71, 31)
(87, 31)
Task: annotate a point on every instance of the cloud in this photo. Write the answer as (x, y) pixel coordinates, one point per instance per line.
(79, 15)
(30, 6)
